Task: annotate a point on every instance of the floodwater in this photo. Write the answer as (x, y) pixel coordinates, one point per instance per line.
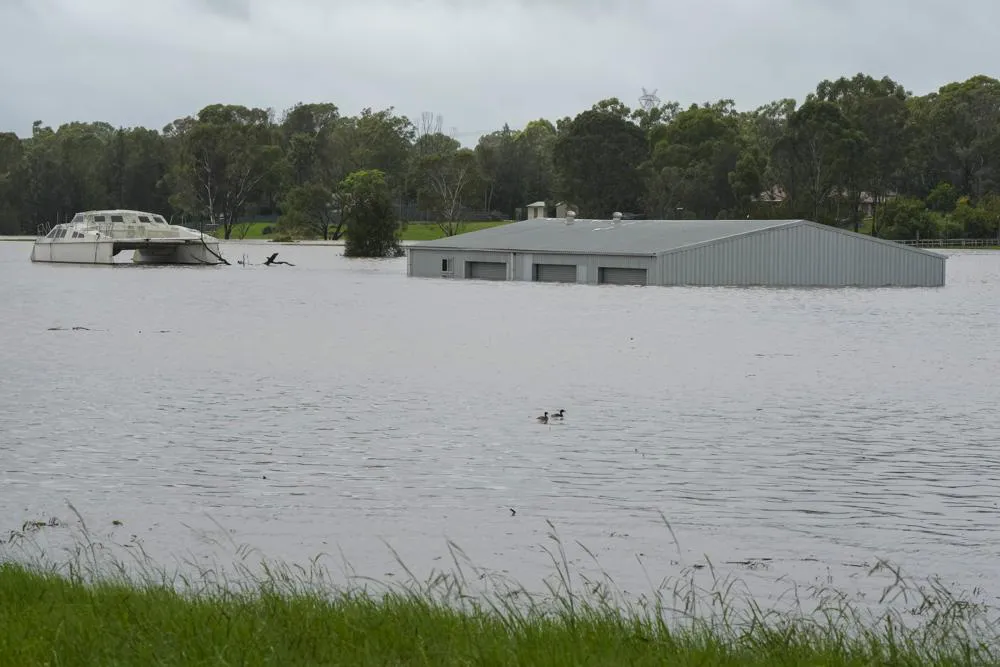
(338, 407)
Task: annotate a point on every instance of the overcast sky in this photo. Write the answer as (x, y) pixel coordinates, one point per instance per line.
(478, 63)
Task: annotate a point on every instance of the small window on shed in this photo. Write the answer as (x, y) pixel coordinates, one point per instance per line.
(117, 218)
(446, 265)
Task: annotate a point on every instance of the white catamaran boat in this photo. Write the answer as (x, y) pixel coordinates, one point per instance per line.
(95, 237)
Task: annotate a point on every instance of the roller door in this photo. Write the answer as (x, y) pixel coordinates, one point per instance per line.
(617, 276)
(555, 273)
(486, 270)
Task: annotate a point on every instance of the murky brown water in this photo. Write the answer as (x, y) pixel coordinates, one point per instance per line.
(335, 404)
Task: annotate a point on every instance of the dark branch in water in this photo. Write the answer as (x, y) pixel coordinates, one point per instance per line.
(272, 260)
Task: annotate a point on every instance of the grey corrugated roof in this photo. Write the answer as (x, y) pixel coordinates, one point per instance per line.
(629, 237)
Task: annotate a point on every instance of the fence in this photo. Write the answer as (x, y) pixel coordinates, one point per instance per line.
(952, 243)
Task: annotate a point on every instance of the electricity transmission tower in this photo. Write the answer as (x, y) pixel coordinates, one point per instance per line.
(648, 100)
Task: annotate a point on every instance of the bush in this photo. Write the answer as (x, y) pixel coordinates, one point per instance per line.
(980, 221)
(942, 198)
(950, 228)
(369, 215)
(904, 218)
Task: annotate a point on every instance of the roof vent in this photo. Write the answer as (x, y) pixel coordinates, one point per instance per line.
(570, 217)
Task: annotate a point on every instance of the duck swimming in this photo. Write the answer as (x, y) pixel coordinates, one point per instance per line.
(558, 414)
(544, 419)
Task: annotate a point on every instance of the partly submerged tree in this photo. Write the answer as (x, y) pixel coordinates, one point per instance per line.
(366, 205)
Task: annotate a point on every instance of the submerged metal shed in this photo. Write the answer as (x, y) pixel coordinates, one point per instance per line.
(788, 253)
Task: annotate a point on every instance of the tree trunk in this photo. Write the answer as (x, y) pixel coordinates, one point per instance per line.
(876, 197)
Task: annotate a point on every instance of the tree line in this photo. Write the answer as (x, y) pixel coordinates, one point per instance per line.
(862, 153)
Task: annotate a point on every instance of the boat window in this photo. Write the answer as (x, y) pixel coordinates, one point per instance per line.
(117, 218)
(98, 218)
(159, 218)
(52, 233)
(144, 218)
(78, 217)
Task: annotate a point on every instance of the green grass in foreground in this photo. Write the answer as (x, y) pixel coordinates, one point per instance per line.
(415, 231)
(46, 620)
(98, 610)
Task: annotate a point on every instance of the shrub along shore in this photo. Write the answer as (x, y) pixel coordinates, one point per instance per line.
(67, 617)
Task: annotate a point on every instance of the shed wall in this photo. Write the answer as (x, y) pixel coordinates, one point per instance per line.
(587, 265)
(426, 263)
(801, 256)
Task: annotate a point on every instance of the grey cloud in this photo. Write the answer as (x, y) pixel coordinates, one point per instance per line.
(238, 9)
(476, 62)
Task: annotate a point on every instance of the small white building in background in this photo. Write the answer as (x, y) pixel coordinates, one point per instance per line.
(775, 253)
(536, 210)
(541, 209)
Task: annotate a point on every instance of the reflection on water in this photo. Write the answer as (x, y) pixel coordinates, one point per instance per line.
(335, 404)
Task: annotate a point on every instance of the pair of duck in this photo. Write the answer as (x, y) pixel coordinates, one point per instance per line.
(544, 419)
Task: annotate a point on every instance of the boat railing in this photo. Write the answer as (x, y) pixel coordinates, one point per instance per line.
(122, 230)
(119, 230)
(112, 229)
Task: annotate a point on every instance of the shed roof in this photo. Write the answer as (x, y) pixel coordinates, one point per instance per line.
(629, 237)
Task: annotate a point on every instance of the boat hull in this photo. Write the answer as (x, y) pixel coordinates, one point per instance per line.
(98, 237)
(103, 251)
(100, 251)
(188, 254)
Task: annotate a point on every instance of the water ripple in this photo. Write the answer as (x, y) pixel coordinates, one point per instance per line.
(343, 403)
